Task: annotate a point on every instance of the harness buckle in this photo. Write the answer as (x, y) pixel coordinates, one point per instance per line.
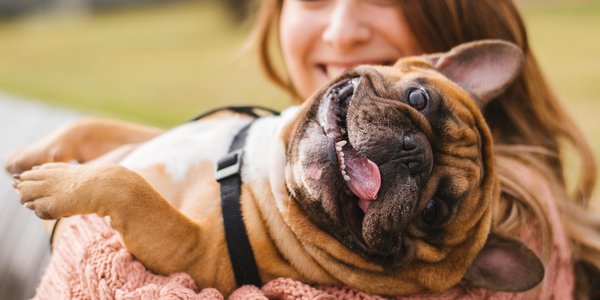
(229, 164)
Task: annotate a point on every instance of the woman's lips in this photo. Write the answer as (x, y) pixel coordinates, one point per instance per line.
(334, 69)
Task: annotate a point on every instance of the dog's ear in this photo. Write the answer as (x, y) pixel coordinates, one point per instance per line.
(505, 264)
(484, 68)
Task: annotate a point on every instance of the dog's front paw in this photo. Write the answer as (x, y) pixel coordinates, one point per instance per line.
(56, 190)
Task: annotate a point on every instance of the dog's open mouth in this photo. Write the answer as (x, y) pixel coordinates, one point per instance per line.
(362, 176)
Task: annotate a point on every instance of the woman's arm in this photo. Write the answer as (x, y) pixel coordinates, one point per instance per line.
(83, 140)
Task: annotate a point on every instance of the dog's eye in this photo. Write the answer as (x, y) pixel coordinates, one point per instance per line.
(418, 98)
(435, 212)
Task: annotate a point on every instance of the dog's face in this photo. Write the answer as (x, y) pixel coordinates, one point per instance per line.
(386, 156)
(395, 162)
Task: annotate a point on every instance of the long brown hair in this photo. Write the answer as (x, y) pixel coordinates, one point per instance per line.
(528, 122)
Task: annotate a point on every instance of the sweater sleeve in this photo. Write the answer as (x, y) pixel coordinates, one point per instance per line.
(89, 262)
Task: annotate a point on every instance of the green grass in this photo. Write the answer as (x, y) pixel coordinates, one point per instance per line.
(161, 65)
(564, 36)
(158, 65)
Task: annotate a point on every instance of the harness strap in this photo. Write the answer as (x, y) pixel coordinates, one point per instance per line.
(249, 110)
(238, 244)
(229, 176)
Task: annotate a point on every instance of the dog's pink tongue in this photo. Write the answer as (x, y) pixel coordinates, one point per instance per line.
(365, 179)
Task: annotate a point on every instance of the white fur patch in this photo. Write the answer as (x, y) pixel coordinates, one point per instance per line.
(267, 154)
(182, 147)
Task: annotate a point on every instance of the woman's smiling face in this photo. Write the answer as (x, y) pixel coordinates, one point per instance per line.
(322, 38)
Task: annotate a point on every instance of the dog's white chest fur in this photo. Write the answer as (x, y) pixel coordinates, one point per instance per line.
(182, 147)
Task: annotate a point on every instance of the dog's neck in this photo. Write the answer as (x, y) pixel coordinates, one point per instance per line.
(264, 161)
(264, 173)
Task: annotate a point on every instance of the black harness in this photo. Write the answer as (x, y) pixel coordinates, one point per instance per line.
(229, 176)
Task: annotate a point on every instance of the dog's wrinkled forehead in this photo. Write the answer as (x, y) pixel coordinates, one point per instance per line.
(390, 81)
(438, 98)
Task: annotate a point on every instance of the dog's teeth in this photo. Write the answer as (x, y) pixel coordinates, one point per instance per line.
(341, 143)
(346, 178)
(343, 131)
(341, 153)
(344, 172)
(343, 166)
(338, 149)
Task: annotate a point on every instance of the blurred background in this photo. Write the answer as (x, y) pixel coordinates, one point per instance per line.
(161, 62)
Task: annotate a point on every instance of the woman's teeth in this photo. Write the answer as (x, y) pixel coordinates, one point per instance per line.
(334, 71)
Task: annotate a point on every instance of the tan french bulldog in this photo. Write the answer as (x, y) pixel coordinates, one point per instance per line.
(382, 181)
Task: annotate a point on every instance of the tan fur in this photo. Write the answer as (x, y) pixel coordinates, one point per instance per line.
(174, 224)
(435, 269)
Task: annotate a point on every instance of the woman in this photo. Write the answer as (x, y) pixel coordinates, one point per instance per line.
(530, 127)
(320, 39)
(527, 121)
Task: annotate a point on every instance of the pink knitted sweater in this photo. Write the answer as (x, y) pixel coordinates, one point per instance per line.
(89, 262)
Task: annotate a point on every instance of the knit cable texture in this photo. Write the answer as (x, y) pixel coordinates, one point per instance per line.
(89, 262)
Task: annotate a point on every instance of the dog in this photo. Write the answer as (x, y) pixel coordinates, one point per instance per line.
(382, 181)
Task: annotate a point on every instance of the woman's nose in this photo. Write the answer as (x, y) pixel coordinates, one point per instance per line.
(346, 27)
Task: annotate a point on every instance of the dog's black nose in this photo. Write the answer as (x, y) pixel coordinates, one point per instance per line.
(413, 154)
(409, 143)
